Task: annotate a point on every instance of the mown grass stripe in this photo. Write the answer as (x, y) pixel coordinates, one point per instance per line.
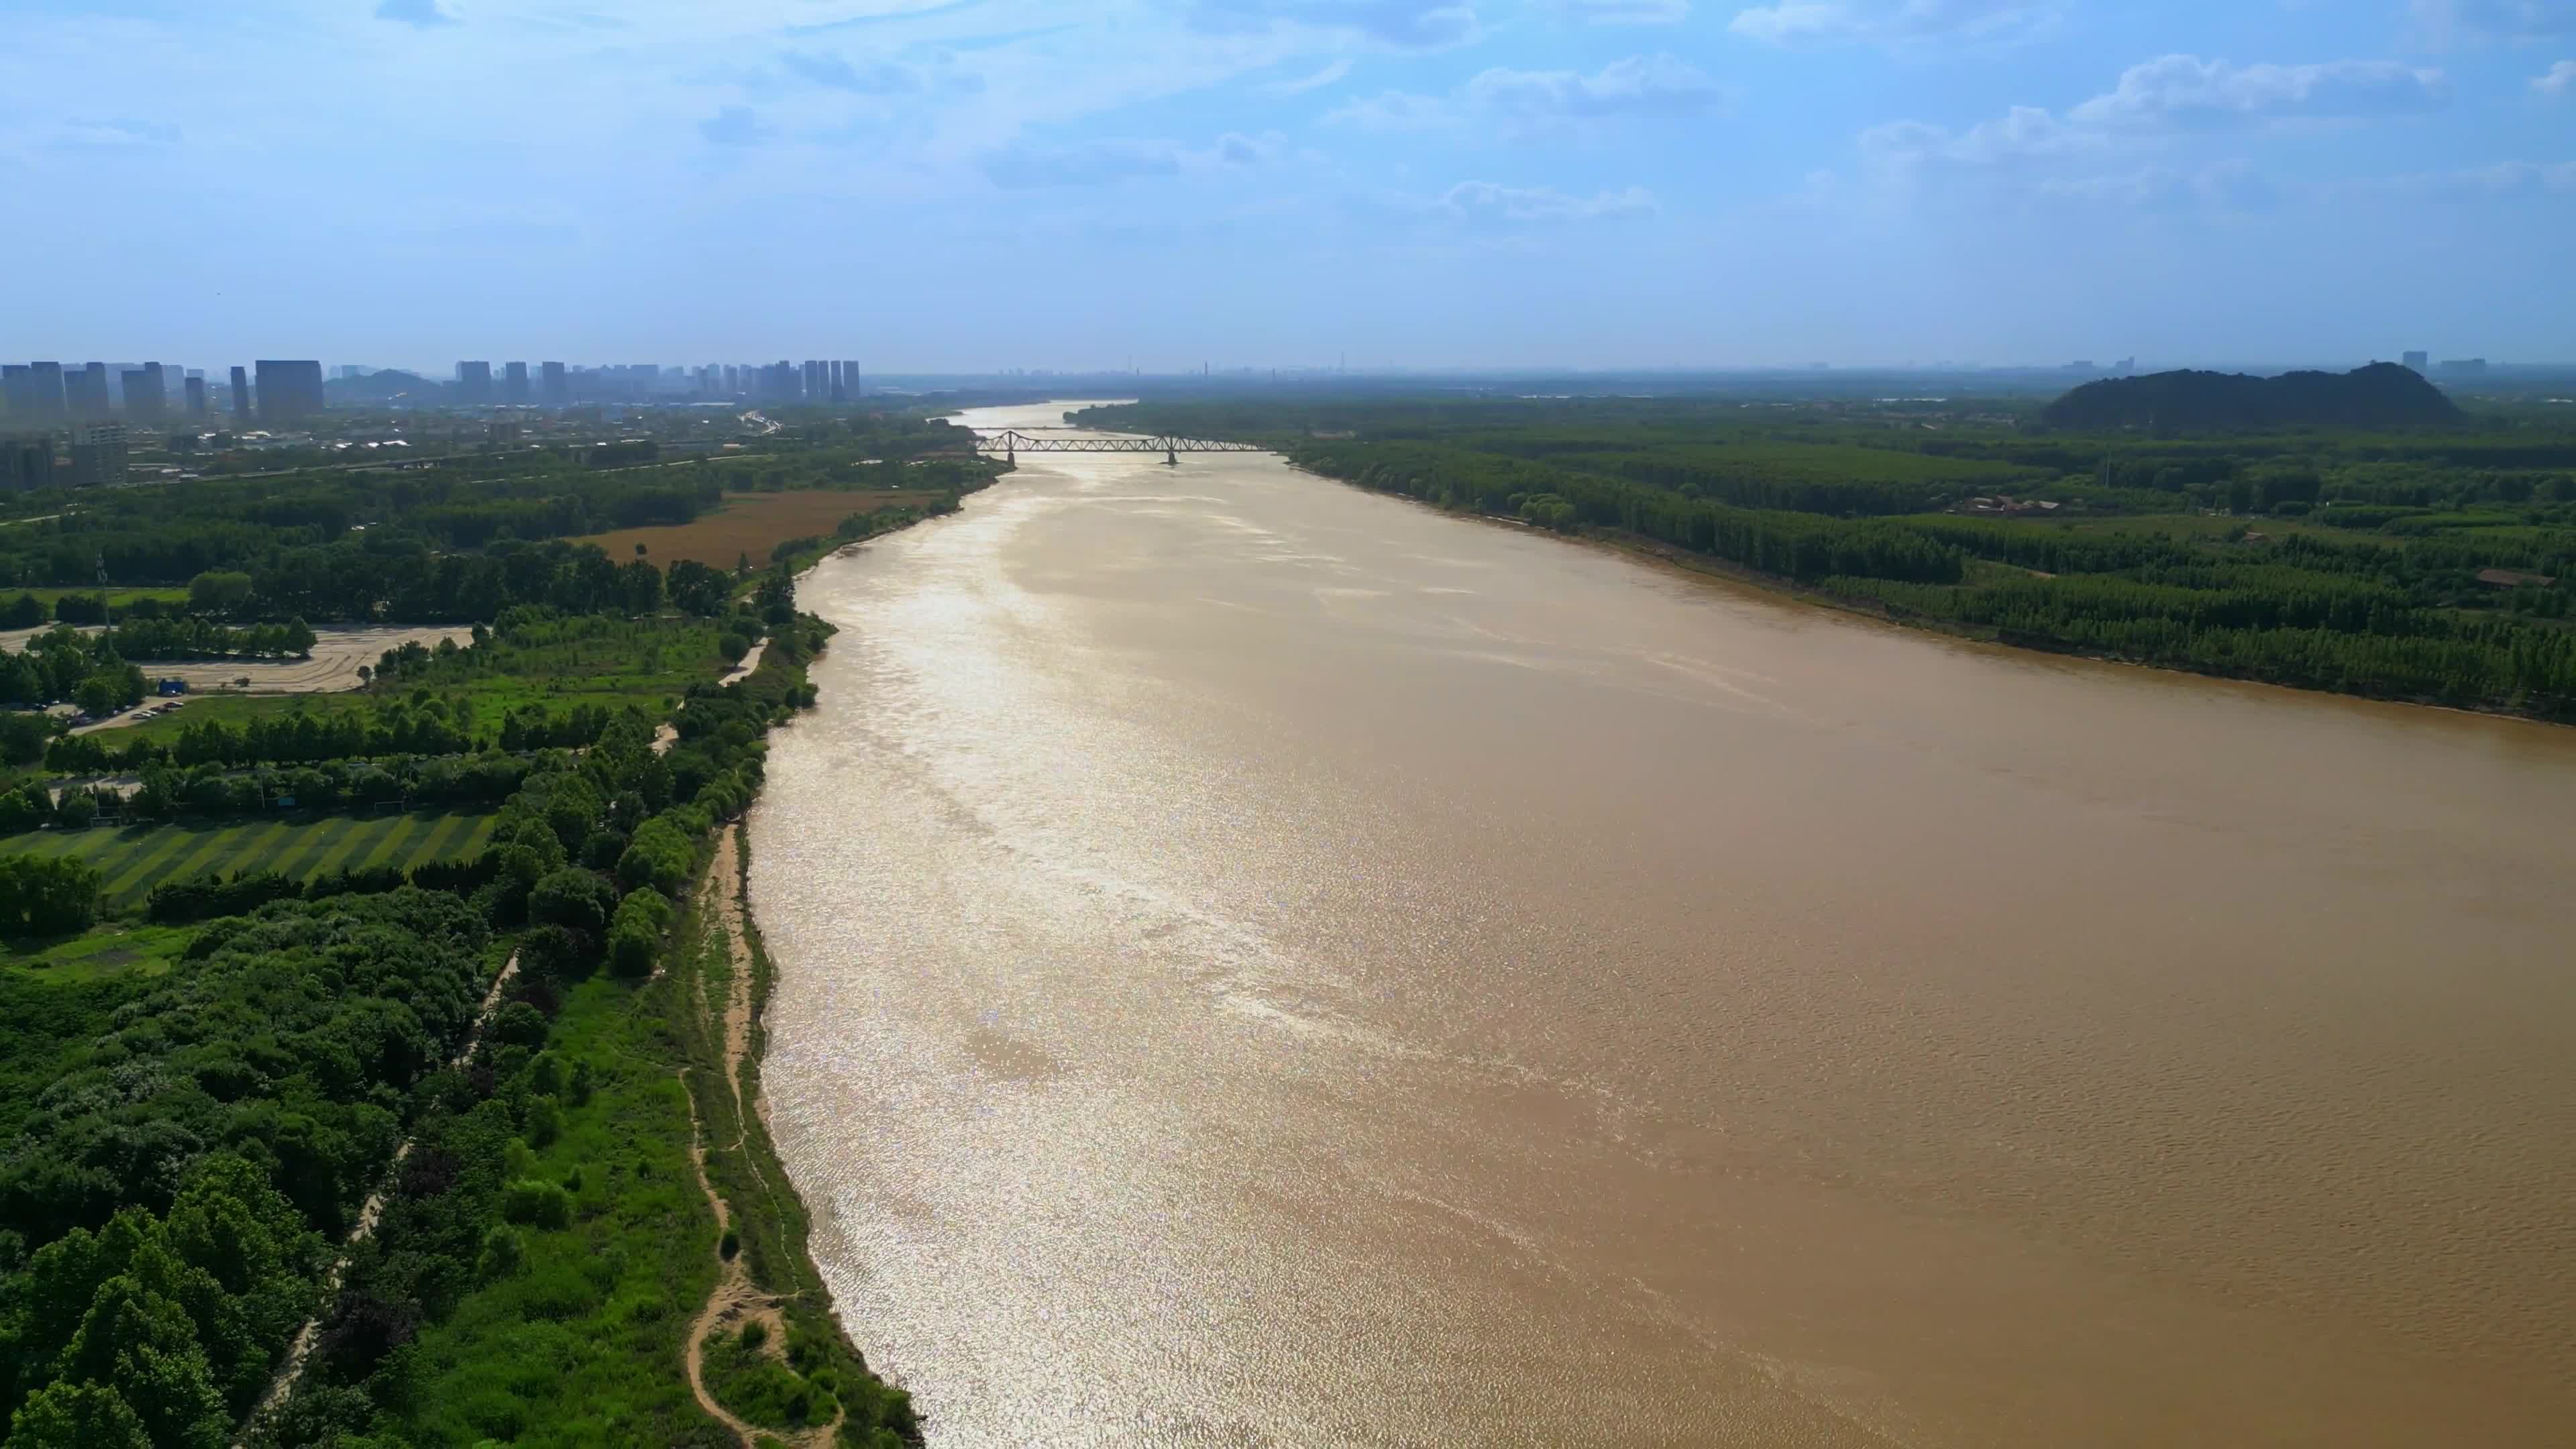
(230, 850)
(131, 873)
(482, 831)
(353, 836)
(93, 844)
(185, 851)
(306, 844)
(439, 842)
(383, 847)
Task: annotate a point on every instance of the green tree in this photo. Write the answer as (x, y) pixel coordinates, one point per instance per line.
(23, 809)
(219, 595)
(46, 895)
(23, 738)
(572, 898)
(77, 1416)
(145, 1346)
(101, 694)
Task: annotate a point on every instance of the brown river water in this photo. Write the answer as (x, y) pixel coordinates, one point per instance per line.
(1264, 963)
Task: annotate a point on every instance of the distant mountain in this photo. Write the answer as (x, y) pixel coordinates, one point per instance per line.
(2378, 396)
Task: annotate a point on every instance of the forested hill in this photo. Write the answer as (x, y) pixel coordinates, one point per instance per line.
(2378, 396)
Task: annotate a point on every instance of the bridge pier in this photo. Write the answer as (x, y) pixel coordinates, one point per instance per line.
(1171, 454)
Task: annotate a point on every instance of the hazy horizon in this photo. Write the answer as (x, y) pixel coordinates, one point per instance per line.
(970, 185)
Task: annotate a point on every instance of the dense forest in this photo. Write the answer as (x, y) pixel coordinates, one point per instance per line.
(201, 1085)
(2382, 395)
(2436, 564)
(426, 541)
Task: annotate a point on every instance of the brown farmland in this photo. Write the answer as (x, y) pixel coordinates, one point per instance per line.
(751, 524)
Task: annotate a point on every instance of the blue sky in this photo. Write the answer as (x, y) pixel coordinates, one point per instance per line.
(968, 184)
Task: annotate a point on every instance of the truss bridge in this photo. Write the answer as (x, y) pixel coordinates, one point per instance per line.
(1010, 443)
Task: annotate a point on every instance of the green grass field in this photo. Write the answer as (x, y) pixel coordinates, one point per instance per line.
(138, 858)
(111, 948)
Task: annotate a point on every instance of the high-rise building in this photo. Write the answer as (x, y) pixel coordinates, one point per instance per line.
(85, 391)
(2465, 367)
(289, 390)
(816, 389)
(241, 397)
(26, 463)
(98, 454)
(147, 398)
(850, 379)
(2420, 361)
(558, 387)
(474, 383)
(514, 384)
(36, 394)
(196, 386)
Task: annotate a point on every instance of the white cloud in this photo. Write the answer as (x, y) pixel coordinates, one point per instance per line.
(421, 13)
(1316, 81)
(1640, 85)
(2505, 19)
(1485, 201)
(2503, 181)
(2023, 134)
(1029, 165)
(2516, 178)
(2081, 154)
(1895, 24)
(2187, 92)
(1395, 111)
(1623, 12)
(2226, 186)
(2559, 82)
(1401, 24)
(1524, 103)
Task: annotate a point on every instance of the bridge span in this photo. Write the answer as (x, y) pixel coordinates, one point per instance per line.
(1010, 442)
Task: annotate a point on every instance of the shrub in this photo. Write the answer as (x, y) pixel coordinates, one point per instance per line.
(659, 856)
(572, 898)
(23, 809)
(43, 895)
(503, 1252)
(533, 1203)
(174, 903)
(519, 1024)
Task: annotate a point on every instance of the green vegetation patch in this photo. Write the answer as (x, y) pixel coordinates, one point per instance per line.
(136, 859)
(109, 949)
(571, 1338)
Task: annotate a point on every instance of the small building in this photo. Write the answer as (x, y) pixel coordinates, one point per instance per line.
(98, 455)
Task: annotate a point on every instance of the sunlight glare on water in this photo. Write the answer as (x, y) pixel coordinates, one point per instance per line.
(1264, 963)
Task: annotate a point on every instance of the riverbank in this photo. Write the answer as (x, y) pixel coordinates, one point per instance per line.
(1654, 551)
(595, 1243)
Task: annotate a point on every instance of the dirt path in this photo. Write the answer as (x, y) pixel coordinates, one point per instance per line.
(299, 1350)
(735, 1299)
